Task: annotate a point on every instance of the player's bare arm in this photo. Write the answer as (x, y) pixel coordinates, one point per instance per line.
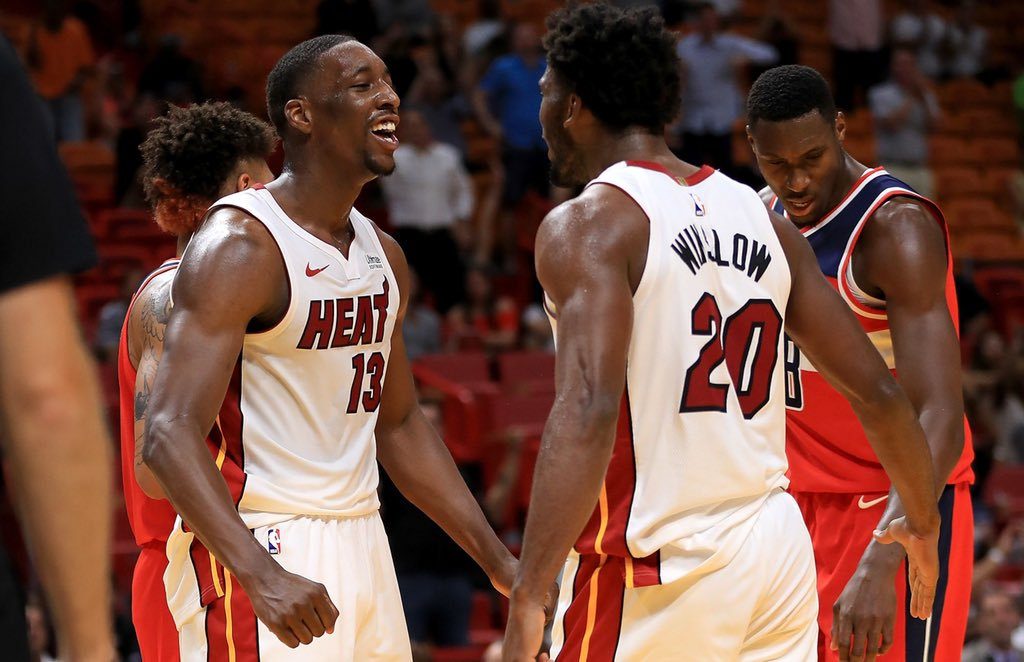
(902, 259)
(844, 355)
(418, 462)
(146, 327)
(231, 254)
(590, 255)
(48, 379)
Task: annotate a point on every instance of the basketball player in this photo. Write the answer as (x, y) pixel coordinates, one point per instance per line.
(287, 307)
(886, 250)
(670, 286)
(191, 158)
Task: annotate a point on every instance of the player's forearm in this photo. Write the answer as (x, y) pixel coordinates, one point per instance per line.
(59, 451)
(571, 466)
(897, 439)
(176, 454)
(945, 434)
(422, 469)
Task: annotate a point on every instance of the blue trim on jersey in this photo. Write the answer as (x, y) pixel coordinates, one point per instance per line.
(916, 631)
(829, 241)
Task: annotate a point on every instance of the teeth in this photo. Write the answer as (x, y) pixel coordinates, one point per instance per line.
(383, 126)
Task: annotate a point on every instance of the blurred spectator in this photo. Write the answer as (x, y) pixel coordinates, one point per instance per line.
(111, 316)
(352, 17)
(484, 319)
(966, 44)
(422, 328)
(855, 29)
(435, 577)
(60, 57)
(1006, 547)
(127, 184)
(413, 14)
(779, 32)
(488, 27)
(430, 199)
(921, 30)
(510, 89)
(434, 97)
(171, 75)
(713, 62)
(998, 617)
(905, 110)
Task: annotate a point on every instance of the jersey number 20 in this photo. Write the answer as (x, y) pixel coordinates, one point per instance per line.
(748, 342)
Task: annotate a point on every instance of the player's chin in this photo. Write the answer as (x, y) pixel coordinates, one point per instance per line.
(381, 164)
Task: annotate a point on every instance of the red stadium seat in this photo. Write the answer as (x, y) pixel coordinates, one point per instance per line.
(463, 382)
(527, 372)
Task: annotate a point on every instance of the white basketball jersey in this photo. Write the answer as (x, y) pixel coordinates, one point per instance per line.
(308, 390)
(702, 432)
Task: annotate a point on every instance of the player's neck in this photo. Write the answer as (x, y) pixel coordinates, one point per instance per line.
(314, 199)
(632, 145)
(851, 171)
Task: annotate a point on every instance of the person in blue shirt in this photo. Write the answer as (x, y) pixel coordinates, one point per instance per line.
(507, 103)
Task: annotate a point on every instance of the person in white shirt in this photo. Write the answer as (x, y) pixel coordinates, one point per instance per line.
(855, 30)
(712, 62)
(430, 202)
(966, 43)
(923, 31)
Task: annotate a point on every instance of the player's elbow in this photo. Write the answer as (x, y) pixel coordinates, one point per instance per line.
(883, 401)
(598, 413)
(155, 453)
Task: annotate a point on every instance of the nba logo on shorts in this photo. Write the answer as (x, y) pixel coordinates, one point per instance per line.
(274, 541)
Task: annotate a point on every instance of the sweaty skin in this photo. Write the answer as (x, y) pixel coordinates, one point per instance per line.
(590, 256)
(331, 154)
(901, 257)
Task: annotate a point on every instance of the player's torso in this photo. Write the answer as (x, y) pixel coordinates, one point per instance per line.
(309, 389)
(826, 445)
(701, 440)
(151, 520)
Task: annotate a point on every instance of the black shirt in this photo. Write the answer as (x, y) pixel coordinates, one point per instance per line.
(44, 233)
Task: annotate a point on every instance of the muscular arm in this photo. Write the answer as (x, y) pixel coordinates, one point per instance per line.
(146, 329)
(58, 448)
(418, 462)
(583, 264)
(231, 254)
(901, 258)
(202, 343)
(827, 332)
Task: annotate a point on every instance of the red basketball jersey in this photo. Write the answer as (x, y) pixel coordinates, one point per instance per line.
(151, 519)
(825, 443)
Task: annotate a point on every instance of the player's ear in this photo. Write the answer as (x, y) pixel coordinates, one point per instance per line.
(840, 126)
(750, 137)
(572, 109)
(296, 113)
(243, 182)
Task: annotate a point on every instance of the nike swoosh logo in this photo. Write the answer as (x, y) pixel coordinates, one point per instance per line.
(864, 505)
(312, 272)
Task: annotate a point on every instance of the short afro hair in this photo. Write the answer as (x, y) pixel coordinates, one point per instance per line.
(622, 64)
(290, 72)
(190, 152)
(788, 92)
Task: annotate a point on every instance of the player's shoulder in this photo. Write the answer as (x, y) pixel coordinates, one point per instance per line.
(600, 213)
(767, 196)
(905, 218)
(150, 310)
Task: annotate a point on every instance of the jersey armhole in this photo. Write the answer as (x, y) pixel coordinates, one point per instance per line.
(642, 286)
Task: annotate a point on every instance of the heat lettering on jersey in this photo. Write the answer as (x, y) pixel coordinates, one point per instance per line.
(697, 246)
(346, 322)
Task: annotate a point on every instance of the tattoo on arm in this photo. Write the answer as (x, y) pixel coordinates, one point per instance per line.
(153, 315)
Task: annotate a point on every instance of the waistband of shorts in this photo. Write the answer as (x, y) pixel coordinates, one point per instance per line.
(155, 545)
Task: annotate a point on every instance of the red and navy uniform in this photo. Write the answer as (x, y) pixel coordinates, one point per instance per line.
(836, 476)
(151, 520)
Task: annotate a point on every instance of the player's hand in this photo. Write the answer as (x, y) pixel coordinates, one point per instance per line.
(294, 608)
(922, 562)
(863, 619)
(524, 634)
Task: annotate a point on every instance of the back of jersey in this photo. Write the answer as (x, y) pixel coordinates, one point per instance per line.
(702, 434)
